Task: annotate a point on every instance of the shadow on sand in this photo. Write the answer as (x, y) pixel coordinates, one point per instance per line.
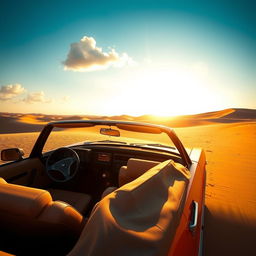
(10, 125)
(224, 236)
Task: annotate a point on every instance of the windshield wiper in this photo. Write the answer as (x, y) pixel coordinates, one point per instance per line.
(152, 145)
(106, 141)
(160, 145)
(130, 144)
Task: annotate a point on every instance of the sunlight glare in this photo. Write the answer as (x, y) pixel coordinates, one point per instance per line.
(163, 92)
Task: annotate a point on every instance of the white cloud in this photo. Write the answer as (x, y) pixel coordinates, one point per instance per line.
(85, 56)
(36, 97)
(12, 91)
(8, 92)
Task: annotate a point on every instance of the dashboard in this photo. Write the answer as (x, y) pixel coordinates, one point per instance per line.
(100, 164)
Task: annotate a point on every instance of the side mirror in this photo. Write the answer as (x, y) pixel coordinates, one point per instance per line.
(12, 154)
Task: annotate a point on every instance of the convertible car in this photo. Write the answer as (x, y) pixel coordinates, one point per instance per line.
(125, 188)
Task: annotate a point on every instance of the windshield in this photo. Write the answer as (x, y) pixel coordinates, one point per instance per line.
(60, 137)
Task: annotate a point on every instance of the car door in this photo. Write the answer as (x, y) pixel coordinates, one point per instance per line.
(187, 239)
(26, 172)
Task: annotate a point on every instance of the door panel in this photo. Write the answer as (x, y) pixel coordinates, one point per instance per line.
(27, 172)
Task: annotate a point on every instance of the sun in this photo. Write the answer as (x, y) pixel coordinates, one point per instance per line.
(161, 92)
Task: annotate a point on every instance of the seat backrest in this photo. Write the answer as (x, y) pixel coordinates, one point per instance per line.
(22, 201)
(29, 214)
(135, 168)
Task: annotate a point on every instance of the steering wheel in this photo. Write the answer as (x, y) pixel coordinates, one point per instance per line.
(62, 164)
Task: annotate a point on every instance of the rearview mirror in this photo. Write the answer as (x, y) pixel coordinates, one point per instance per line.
(110, 132)
(12, 154)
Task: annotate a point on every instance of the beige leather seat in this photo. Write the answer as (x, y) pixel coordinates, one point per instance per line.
(135, 168)
(30, 219)
(79, 201)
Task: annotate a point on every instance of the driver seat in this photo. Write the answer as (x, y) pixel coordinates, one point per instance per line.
(32, 223)
(79, 201)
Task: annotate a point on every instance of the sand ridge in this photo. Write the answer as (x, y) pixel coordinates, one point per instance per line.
(15, 123)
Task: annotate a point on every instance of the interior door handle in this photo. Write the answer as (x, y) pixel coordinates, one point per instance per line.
(194, 216)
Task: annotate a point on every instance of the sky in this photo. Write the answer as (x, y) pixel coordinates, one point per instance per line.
(127, 57)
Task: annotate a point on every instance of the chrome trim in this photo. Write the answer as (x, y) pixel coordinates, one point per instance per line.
(193, 223)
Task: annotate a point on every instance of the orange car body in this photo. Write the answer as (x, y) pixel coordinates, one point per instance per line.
(186, 241)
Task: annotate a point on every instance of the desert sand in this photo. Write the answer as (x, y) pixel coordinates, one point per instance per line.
(230, 220)
(229, 140)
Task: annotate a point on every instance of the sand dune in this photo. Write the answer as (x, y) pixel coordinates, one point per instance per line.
(32, 119)
(230, 222)
(15, 123)
(222, 116)
(214, 114)
(216, 117)
(229, 140)
(19, 123)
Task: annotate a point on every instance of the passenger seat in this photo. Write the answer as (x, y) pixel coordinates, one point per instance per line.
(135, 168)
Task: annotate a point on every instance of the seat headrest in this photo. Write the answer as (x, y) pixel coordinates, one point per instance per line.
(135, 168)
(24, 201)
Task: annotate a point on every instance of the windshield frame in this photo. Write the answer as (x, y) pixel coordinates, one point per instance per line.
(141, 127)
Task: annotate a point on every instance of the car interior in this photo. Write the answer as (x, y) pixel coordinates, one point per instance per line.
(44, 212)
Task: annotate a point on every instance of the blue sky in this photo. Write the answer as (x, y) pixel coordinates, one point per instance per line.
(150, 57)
